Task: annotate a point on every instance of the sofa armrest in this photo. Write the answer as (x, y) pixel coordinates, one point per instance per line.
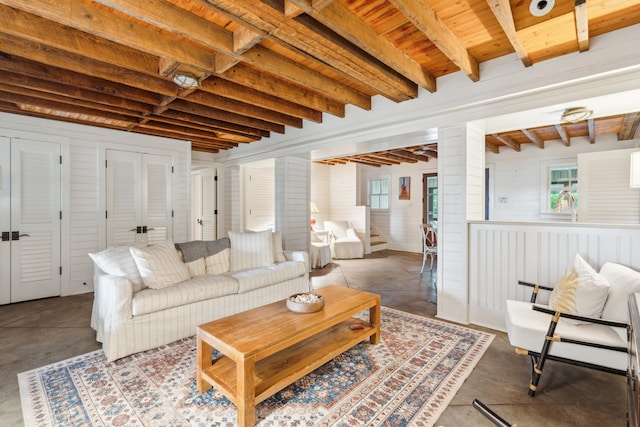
(298, 256)
(112, 303)
(351, 234)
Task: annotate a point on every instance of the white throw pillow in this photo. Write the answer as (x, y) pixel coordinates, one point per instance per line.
(278, 254)
(623, 281)
(119, 262)
(251, 250)
(218, 263)
(580, 291)
(160, 266)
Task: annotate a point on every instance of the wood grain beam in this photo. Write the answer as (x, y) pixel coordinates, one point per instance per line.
(251, 77)
(591, 126)
(301, 35)
(231, 90)
(73, 79)
(42, 53)
(491, 147)
(425, 19)
(100, 21)
(242, 108)
(508, 141)
(191, 108)
(502, 11)
(533, 137)
(629, 126)
(582, 25)
(562, 133)
(345, 23)
(215, 123)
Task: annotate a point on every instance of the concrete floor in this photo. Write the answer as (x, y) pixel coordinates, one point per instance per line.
(36, 333)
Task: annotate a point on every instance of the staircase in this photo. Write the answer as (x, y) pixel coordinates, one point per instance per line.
(376, 242)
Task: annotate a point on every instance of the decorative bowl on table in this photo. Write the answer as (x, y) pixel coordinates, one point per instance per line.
(306, 302)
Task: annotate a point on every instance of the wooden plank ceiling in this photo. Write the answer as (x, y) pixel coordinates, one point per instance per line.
(263, 66)
(624, 126)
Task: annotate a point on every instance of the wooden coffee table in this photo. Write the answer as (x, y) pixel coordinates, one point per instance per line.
(269, 347)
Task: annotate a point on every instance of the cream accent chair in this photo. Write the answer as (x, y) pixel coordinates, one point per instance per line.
(343, 240)
(598, 343)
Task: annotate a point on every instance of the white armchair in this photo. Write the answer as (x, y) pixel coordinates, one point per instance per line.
(343, 240)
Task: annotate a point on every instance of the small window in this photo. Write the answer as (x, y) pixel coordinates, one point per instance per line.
(379, 193)
(562, 179)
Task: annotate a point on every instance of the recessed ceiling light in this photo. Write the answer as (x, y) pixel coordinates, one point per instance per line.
(576, 114)
(541, 7)
(185, 80)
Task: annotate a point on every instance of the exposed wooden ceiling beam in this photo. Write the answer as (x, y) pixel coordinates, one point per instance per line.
(97, 20)
(562, 133)
(629, 126)
(301, 34)
(251, 77)
(491, 147)
(508, 141)
(533, 137)
(591, 126)
(502, 11)
(582, 25)
(425, 19)
(339, 19)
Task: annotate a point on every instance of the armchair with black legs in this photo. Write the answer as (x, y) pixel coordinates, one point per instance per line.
(584, 324)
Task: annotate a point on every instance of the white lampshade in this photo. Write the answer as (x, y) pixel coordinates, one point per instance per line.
(313, 208)
(634, 170)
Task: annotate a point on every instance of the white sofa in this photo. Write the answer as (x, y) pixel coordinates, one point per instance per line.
(132, 315)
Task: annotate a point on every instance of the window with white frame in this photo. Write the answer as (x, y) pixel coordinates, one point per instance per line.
(562, 178)
(379, 193)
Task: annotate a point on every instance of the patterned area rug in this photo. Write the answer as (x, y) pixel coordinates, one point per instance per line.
(407, 379)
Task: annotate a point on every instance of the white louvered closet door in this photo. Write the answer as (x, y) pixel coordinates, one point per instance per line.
(35, 219)
(139, 198)
(124, 197)
(5, 220)
(157, 199)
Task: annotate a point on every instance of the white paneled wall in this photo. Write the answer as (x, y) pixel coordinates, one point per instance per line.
(519, 177)
(604, 195)
(343, 194)
(500, 254)
(321, 192)
(83, 186)
(398, 226)
(292, 202)
(460, 165)
(233, 196)
(86, 212)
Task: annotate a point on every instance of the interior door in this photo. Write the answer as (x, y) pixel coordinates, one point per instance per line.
(157, 200)
(260, 198)
(203, 208)
(5, 220)
(35, 219)
(124, 197)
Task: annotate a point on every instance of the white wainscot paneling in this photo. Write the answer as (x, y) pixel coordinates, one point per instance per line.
(502, 253)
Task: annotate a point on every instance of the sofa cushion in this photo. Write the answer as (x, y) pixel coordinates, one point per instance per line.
(160, 265)
(118, 261)
(197, 289)
(623, 281)
(265, 276)
(581, 290)
(218, 263)
(251, 250)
